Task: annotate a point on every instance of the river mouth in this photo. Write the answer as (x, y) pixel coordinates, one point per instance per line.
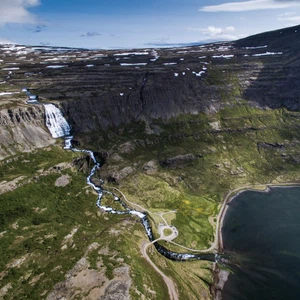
(261, 238)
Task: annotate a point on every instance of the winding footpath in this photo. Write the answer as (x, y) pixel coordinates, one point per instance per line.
(59, 127)
(170, 284)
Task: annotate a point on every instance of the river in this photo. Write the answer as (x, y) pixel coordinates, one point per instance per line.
(260, 232)
(59, 128)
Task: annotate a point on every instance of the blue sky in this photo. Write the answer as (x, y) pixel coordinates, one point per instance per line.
(139, 23)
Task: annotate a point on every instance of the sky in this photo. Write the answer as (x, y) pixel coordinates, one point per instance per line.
(112, 24)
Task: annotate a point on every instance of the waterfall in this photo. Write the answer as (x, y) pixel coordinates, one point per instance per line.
(59, 127)
(55, 121)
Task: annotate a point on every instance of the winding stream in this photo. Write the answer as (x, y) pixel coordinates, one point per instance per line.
(59, 128)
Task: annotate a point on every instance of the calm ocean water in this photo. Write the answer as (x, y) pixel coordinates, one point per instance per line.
(261, 235)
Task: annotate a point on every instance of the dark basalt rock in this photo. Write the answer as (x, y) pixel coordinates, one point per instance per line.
(177, 161)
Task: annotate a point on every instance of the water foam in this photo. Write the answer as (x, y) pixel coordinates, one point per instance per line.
(55, 121)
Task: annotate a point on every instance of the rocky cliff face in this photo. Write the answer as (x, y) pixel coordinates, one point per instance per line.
(102, 89)
(22, 129)
(277, 83)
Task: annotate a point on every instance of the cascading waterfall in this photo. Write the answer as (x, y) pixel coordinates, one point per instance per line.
(55, 121)
(59, 127)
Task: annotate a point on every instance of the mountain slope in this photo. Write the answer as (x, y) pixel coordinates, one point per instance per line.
(175, 130)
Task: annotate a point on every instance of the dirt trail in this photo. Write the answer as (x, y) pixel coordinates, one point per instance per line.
(170, 284)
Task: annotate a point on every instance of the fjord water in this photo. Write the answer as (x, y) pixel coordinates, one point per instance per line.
(261, 237)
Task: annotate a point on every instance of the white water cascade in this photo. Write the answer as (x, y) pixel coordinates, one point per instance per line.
(59, 127)
(55, 121)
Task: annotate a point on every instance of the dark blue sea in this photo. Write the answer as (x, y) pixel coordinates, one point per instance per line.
(261, 238)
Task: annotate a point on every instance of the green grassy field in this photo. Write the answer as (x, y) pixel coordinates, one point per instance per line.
(233, 148)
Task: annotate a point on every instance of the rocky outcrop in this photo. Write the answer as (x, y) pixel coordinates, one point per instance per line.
(177, 161)
(85, 282)
(22, 130)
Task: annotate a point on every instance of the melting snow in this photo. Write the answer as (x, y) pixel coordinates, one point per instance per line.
(131, 53)
(223, 48)
(89, 66)
(169, 64)
(223, 56)
(199, 73)
(176, 74)
(267, 53)
(135, 64)
(10, 69)
(56, 67)
(257, 47)
(8, 93)
(52, 59)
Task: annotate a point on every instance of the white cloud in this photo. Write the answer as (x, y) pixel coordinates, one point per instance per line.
(16, 11)
(5, 41)
(289, 18)
(217, 32)
(249, 5)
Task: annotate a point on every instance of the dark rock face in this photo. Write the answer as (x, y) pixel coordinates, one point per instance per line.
(277, 85)
(177, 161)
(162, 97)
(102, 89)
(22, 129)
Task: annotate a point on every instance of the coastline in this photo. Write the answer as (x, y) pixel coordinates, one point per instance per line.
(263, 188)
(221, 275)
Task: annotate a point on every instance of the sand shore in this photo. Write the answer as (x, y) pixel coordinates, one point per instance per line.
(221, 275)
(264, 188)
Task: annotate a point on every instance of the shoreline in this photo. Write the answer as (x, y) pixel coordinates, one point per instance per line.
(221, 276)
(263, 188)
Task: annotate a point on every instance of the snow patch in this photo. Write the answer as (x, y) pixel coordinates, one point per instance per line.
(8, 93)
(131, 53)
(56, 67)
(199, 73)
(267, 53)
(134, 64)
(257, 47)
(10, 69)
(223, 56)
